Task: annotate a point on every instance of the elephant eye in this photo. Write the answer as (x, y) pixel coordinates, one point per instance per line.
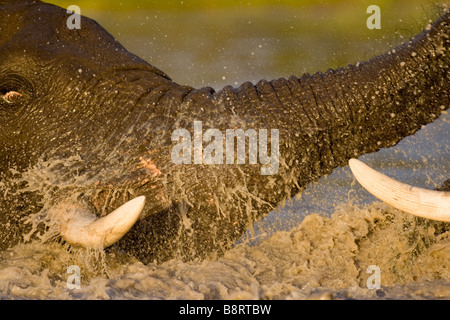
(14, 89)
(11, 96)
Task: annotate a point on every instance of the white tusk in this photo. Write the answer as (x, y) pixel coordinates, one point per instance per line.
(82, 228)
(430, 204)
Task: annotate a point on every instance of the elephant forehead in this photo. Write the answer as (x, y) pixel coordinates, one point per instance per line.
(38, 29)
(29, 19)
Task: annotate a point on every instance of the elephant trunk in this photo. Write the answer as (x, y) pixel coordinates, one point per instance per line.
(322, 120)
(327, 118)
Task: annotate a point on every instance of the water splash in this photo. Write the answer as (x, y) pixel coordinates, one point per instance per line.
(323, 257)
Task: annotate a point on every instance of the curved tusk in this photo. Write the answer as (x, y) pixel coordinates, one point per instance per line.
(82, 228)
(424, 203)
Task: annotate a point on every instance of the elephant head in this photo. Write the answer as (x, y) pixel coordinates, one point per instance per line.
(87, 126)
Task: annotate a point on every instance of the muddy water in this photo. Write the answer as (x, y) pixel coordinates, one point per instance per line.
(319, 245)
(323, 257)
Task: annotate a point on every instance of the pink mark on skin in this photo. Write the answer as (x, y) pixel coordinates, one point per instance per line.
(149, 165)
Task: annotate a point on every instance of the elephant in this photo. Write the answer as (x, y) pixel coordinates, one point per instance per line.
(87, 126)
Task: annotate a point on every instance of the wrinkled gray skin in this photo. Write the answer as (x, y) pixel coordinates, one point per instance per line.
(100, 119)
